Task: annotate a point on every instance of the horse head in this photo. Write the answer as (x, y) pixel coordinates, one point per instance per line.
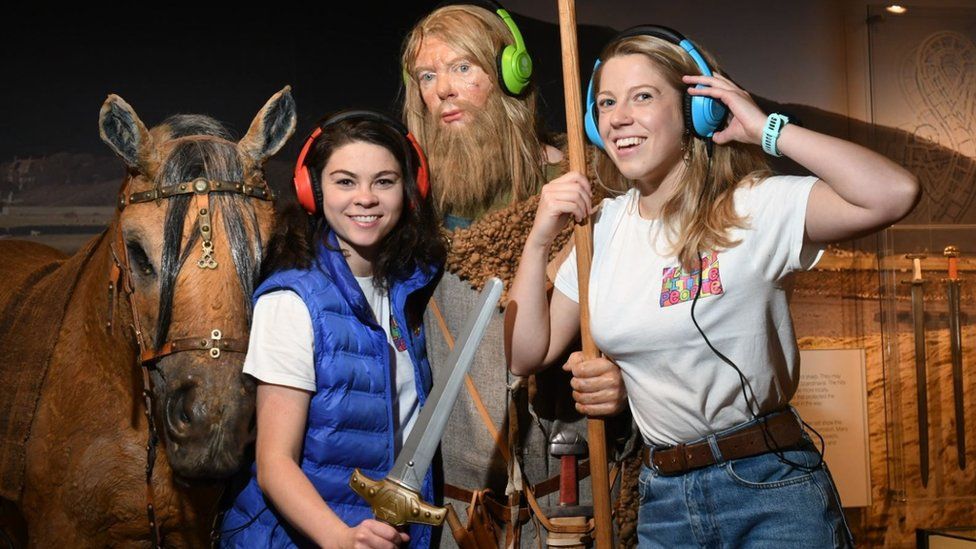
(195, 214)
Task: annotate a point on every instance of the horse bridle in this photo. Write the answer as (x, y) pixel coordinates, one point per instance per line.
(120, 277)
(213, 343)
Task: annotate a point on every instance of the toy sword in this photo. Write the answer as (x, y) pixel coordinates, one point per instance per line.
(955, 347)
(918, 320)
(396, 499)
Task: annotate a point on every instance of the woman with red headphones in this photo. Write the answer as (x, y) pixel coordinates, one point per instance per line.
(690, 284)
(337, 344)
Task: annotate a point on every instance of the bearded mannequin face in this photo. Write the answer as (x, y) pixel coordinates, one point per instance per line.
(465, 121)
(483, 146)
(451, 84)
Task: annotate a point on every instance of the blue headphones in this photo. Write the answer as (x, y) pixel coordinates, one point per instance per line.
(703, 115)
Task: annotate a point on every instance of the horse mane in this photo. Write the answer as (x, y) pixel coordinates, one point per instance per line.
(183, 125)
(291, 243)
(213, 156)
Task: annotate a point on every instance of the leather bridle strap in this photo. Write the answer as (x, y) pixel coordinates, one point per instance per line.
(121, 279)
(150, 460)
(215, 345)
(197, 186)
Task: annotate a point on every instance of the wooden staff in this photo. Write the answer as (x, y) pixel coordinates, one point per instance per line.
(583, 235)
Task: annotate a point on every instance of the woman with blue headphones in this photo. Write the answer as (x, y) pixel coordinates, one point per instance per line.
(337, 343)
(689, 289)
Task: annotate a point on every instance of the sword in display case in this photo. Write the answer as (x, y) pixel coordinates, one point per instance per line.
(955, 347)
(918, 322)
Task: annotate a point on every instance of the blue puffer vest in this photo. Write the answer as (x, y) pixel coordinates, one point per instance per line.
(350, 416)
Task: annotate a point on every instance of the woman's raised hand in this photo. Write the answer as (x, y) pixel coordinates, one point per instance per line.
(565, 196)
(745, 119)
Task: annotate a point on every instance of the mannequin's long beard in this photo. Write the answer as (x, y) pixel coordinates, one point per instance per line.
(470, 165)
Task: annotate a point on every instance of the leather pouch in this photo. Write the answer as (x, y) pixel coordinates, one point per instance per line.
(480, 532)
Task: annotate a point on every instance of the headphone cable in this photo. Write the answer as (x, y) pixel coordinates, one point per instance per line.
(768, 438)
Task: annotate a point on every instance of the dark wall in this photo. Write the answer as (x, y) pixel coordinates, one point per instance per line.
(59, 66)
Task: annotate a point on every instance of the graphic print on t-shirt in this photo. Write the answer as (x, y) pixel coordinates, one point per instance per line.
(678, 286)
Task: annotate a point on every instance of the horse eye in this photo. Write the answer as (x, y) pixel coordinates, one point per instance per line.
(138, 259)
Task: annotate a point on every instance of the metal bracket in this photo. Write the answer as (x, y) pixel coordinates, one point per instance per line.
(207, 260)
(215, 349)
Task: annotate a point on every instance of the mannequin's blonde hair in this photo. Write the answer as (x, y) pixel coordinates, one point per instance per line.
(480, 35)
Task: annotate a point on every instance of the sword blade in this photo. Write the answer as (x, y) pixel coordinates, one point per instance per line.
(918, 319)
(421, 444)
(955, 347)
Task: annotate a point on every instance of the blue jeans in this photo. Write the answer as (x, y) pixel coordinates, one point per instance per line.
(756, 502)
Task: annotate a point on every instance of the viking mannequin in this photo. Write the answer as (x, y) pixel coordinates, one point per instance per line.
(470, 101)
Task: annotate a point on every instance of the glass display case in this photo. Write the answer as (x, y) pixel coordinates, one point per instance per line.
(922, 66)
(928, 282)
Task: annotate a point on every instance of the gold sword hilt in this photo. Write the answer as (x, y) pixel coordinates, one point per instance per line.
(394, 503)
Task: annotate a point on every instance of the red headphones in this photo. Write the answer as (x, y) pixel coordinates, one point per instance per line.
(309, 189)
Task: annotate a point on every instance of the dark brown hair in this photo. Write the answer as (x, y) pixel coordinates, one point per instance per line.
(415, 241)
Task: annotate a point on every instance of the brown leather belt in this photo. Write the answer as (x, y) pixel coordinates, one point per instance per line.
(779, 430)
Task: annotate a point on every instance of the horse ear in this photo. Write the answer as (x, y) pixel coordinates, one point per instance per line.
(122, 130)
(271, 128)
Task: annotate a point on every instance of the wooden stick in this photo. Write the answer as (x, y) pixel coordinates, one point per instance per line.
(583, 234)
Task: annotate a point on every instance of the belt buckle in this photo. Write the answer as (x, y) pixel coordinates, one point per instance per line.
(650, 459)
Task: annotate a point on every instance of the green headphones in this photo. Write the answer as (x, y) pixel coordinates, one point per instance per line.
(513, 62)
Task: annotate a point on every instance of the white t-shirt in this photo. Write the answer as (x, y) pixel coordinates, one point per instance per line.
(282, 345)
(640, 304)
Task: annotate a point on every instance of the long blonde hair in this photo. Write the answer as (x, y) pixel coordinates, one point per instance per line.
(700, 214)
(480, 35)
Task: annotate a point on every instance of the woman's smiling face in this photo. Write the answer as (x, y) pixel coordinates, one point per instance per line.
(640, 119)
(362, 199)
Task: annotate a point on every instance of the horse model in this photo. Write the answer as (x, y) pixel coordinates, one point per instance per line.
(138, 337)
